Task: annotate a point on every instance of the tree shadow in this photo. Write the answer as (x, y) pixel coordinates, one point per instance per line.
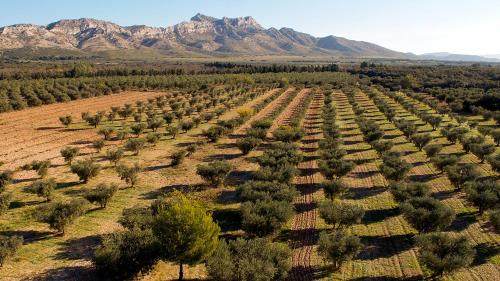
(384, 246)
(29, 236)
(444, 194)
(485, 251)
(184, 188)
(364, 192)
(239, 177)
(157, 167)
(61, 185)
(227, 219)
(79, 273)
(387, 278)
(463, 221)
(378, 215)
(219, 157)
(78, 248)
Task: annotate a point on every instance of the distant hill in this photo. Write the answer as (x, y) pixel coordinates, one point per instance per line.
(443, 56)
(202, 35)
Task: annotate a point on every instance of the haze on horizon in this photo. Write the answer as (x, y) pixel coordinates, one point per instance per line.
(460, 26)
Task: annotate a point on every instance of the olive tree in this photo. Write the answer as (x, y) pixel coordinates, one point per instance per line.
(340, 215)
(338, 247)
(483, 194)
(69, 153)
(43, 188)
(214, 173)
(427, 214)
(85, 169)
(8, 247)
(130, 174)
(102, 194)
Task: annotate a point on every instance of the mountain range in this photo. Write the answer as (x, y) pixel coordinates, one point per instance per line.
(201, 35)
(444, 56)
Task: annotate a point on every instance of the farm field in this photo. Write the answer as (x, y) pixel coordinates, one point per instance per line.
(283, 153)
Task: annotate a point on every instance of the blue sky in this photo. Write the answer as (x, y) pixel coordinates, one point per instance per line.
(418, 26)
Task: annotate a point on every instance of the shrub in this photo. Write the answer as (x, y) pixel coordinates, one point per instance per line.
(427, 214)
(115, 156)
(8, 247)
(459, 174)
(254, 259)
(432, 149)
(43, 188)
(338, 247)
(262, 218)
(214, 173)
(135, 145)
(59, 215)
(394, 168)
(248, 144)
(288, 134)
(245, 113)
(190, 149)
(382, 146)
(130, 174)
(404, 191)
(94, 120)
(421, 140)
(138, 128)
(334, 189)
(41, 167)
(122, 255)
(98, 145)
(186, 125)
(257, 133)
(102, 194)
(178, 157)
(262, 124)
(442, 254)
(495, 162)
(214, 133)
(335, 168)
(121, 135)
(186, 233)
(262, 190)
(155, 123)
(484, 194)
(340, 215)
(137, 218)
(66, 120)
(443, 161)
(495, 220)
(495, 134)
(107, 133)
(482, 150)
(471, 141)
(5, 199)
(173, 131)
(5, 179)
(85, 169)
(69, 153)
(153, 138)
(283, 173)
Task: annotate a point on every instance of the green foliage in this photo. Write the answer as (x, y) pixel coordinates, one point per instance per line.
(483, 194)
(43, 188)
(393, 167)
(114, 156)
(173, 131)
(5, 199)
(338, 247)
(421, 139)
(340, 215)
(102, 194)
(69, 153)
(482, 150)
(288, 134)
(85, 169)
(263, 190)
(495, 220)
(98, 145)
(263, 218)
(8, 247)
(130, 174)
(137, 218)
(334, 189)
(59, 215)
(460, 174)
(432, 149)
(153, 138)
(5, 179)
(135, 145)
(442, 253)
(186, 232)
(214, 133)
(248, 260)
(443, 161)
(426, 214)
(138, 128)
(257, 133)
(122, 255)
(66, 120)
(214, 173)
(404, 191)
(106, 132)
(382, 146)
(335, 168)
(262, 124)
(248, 144)
(41, 167)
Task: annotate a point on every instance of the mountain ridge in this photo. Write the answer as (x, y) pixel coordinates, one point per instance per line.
(201, 34)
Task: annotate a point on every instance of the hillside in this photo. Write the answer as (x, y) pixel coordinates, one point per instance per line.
(201, 35)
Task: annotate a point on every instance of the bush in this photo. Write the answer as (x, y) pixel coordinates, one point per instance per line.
(5, 199)
(262, 218)
(135, 145)
(173, 131)
(432, 149)
(5, 179)
(335, 168)
(155, 123)
(248, 144)
(338, 247)
(443, 161)
(262, 190)
(459, 174)
(186, 125)
(130, 174)
(427, 214)
(484, 194)
(262, 124)
(421, 140)
(41, 167)
(122, 255)
(214, 173)
(153, 138)
(283, 173)
(280, 154)
(495, 134)
(190, 149)
(495, 162)
(9, 246)
(482, 150)
(257, 133)
(66, 120)
(178, 157)
(254, 259)
(137, 218)
(334, 189)
(394, 168)
(69, 153)
(98, 145)
(214, 133)
(107, 133)
(382, 146)
(59, 215)
(288, 134)
(443, 254)
(495, 220)
(138, 128)
(115, 156)
(102, 194)
(404, 191)
(85, 169)
(43, 188)
(340, 215)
